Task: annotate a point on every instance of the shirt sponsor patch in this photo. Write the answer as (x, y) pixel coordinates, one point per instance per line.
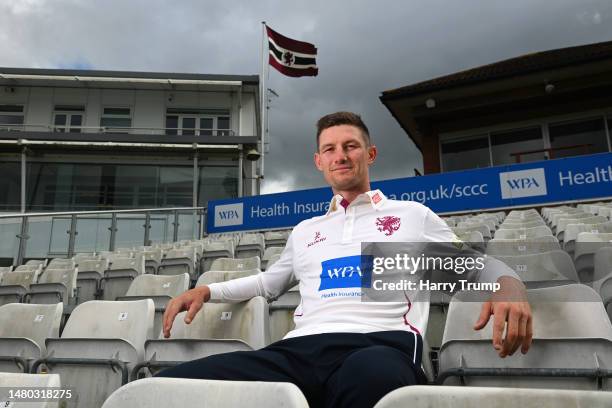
(346, 272)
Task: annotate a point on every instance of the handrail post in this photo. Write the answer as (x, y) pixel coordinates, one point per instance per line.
(176, 226)
(203, 221)
(113, 232)
(147, 228)
(73, 232)
(23, 238)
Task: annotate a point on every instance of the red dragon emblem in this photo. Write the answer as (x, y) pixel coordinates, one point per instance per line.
(388, 224)
(288, 58)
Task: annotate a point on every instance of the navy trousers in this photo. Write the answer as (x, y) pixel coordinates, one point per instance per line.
(332, 369)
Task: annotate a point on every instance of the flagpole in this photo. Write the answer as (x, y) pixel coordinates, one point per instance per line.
(262, 83)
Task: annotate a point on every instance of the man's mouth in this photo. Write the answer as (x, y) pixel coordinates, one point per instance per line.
(341, 168)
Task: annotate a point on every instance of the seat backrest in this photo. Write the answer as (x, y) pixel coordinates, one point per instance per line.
(99, 266)
(252, 239)
(222, 276)
(128, 264)
(272, 251)
(36, 262)
(546, 266)
(159, 285)
(29, 268)
(229, 264)
(68, 277)
(24, 279)
(247, 321)
(61, 263)
(100, 319)
(180, 253)
(35, 322)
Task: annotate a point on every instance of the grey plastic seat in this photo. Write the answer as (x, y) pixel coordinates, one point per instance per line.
(29, 268)
(61, 263)
(152, 257)
(216, 328)
(482, 228)
(37, 262)
(564, 222)
(3, 270)
(276, 238)
(180, 392)
(270, 252)
(572, 231)
(545, 269)
(475, 222)
(587, 243)
(537, 245)
(240, 264)
(250, 245)
(23, 330)
(523, 233)
(119, 275)
(179, 261)
(562, 343)
(18, 381)
(603, 277)
(101, 343)
(89, 276)
(15, 285)
(281, 313)
(214, 250)
(427, 396)
(55, 285)
(222, 276)
(272, 260)
(158, 288)
(559, 217)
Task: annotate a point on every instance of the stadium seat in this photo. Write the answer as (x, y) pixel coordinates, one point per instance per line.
(178, 261)
(158, 288)
(90, 273)
(21, 381)
(214, 250)
(241, 264)
(222, 276)
(537, 245)
(101, 343)
(564, 222)
(119, 275)
(250, 245)
(587, 243)
(217, 328)
(272, 260)
(281, 313)
(523, 233)
(3, 270)
(270, 252)
(61, 263)
(482, 228)
(37, 262)
(572, 231)
(427, 396)
(571, 349)
(54, 285)
(603, 277)
(276, 238)
(544, 269)
(180, 392)
(23, 330)
(152, 258)
(29, 268)
(16, 284)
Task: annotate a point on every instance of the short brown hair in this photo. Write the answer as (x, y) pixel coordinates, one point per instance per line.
(343, 118)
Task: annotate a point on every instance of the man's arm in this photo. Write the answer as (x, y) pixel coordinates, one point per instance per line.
(508, 305)
(270, 284)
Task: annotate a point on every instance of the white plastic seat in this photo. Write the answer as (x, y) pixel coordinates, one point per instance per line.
(572, 335)
(250, 245)
(603, 277)
(272, 260)
(281, 313)
(482, 228)
(544, 269)
(214, 250)
(158, 288)
(15, 285)
(587, 243)
(428, 396)
(101, 343)
(37, 262)
(21, 381)
(181, 392)
(537, 245)
(29, 268)
(240, 264)
(179, 261)
(90, 273)
(3, 270)
(572, 231)
(270, 252)
(222, 276)
(23, 330)
(61, 263)
(523, 233)
(217, 328)
(276, 238)
(564, 222)
(119, 275)
(152, 257)
(54, 285)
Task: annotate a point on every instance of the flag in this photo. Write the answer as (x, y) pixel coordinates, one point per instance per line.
(291, 57)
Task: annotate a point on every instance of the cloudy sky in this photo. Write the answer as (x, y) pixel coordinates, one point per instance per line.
(364, 47)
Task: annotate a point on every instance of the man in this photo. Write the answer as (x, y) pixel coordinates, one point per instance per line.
(345, 352)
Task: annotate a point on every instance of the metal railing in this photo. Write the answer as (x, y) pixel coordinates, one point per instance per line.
(62, 234)
(23, 127)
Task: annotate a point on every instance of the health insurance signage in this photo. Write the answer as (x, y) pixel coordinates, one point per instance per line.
(574, 178)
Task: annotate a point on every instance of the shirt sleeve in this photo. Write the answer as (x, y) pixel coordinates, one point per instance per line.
(270, 284)
(436, 230)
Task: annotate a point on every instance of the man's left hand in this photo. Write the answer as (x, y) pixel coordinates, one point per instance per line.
(510, 310)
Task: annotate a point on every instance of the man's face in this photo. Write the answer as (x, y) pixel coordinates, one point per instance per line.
(344, 157)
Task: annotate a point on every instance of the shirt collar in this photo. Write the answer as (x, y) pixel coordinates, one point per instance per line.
(374, 197)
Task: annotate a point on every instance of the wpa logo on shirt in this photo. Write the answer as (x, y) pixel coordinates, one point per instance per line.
(228, 214)
(523, 183)
(346, 272)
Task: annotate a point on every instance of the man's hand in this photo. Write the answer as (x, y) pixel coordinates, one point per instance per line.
(192, 301)
(508, 305)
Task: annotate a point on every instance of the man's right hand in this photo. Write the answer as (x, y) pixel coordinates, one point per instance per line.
(192, 301)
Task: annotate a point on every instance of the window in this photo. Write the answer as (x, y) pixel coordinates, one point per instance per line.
(465, 154)
(217, 182)
(591, 133)
(68, 118)
(11, 117)
(190, 122)
(118, 120)
(503, 144)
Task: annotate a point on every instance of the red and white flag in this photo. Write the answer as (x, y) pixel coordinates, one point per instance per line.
(291, 57)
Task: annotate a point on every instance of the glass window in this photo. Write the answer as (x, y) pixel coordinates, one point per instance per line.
(118, 119)
(504, 144)
(217, 183)
(171, 124)
(206, 126)
(188, 125)
(68, 115)
(10, 186)
(199, 122)
(583, 137)
(11, 117)
(223, 124)
(465, 154)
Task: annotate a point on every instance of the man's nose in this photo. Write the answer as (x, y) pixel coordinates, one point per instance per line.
(340, 156)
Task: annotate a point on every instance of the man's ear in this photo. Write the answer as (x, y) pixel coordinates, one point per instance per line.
(372, 153)
(317, 161)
